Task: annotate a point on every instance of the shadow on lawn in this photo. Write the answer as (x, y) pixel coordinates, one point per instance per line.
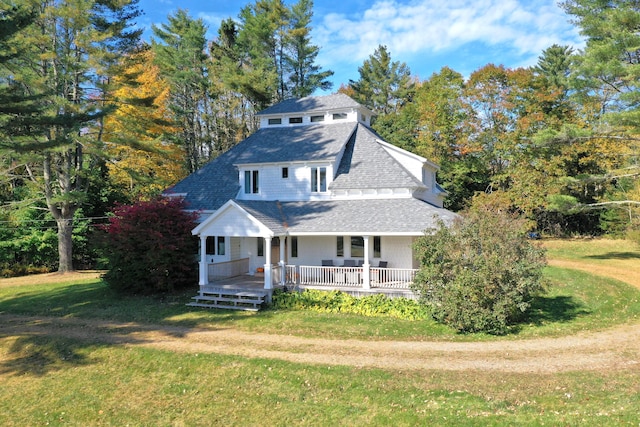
(616, 255)
(38, 355)
(560, 308)
(58, 327)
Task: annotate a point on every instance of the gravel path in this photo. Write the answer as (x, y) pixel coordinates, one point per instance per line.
(617, 348)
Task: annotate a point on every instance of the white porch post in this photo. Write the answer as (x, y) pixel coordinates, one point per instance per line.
(204, 268)
(283, 273)
(366, 272)
(267, 263)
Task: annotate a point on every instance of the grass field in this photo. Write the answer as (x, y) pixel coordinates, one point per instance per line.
(67, 380)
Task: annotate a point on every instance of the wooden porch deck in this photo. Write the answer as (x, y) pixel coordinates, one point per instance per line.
(248, 283)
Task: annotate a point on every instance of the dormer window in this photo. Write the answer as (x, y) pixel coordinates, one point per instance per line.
(275, 121)
(251, 182)
(318, 180)
(295, 120)
(315, 119)
(339, 116)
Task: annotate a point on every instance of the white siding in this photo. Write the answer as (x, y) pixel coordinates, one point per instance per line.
(352, 116)
(229, 223)
(296, 187)
(397, 251)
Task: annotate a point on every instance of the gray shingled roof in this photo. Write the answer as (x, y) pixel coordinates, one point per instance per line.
(311, 104)
(366, 164)
(217, 182)
(363, 217)
(296, 143)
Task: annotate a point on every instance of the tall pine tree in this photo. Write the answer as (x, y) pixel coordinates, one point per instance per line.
(65, 59)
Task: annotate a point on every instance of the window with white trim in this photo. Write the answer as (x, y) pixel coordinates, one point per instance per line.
(340, 246)
(216, 245)
(357, 246)
(251, 182)
(294, 246)
(377, 247)
(318, 180)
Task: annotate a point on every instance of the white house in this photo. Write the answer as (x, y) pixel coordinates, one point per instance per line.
(314, 197)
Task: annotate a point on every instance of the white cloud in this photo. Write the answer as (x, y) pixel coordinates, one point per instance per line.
(412, 28)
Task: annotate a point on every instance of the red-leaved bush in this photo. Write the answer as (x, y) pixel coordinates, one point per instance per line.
(150, 247)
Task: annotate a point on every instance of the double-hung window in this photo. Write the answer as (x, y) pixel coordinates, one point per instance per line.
(251, 182)
(215, 245)
(318, 180)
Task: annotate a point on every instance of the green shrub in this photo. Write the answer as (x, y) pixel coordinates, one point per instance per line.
(340, 302)
(480, 274)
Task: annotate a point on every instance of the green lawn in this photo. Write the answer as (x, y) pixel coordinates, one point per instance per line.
(50, 380)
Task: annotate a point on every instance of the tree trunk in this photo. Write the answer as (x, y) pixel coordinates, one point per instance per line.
(65, 245)
(62, 211)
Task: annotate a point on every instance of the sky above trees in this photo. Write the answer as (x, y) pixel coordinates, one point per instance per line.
(425, 34)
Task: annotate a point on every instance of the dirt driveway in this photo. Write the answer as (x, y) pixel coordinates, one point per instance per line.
(616, 348)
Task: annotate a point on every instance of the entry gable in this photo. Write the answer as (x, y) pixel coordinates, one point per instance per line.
(232, 220)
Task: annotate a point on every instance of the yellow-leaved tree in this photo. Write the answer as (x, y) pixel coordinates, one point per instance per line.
(141, 161)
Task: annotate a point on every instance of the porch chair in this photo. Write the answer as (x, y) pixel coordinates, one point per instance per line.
(381, 274)
(349, 263)
(327, 276)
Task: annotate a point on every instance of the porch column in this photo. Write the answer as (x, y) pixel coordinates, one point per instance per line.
(267, 263)
(204, 268)
(283, 273)
(366, 272)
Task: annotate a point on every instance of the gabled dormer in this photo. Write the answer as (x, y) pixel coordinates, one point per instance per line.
(338, 108)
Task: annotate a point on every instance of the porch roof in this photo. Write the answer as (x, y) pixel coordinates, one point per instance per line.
(408, 216)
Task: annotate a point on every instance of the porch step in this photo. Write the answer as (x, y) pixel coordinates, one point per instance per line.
(233, 299)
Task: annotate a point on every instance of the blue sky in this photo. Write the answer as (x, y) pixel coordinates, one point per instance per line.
(425, 34)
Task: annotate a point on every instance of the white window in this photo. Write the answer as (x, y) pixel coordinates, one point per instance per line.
(251, 182)
(318, 180)
(293, 120)
(315, 119)
(339, 116)
(275, 121)
(215, 246)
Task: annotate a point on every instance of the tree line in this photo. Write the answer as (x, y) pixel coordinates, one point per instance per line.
(91, 116)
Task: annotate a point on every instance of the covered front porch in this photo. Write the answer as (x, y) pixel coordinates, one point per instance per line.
(350, 279)
(244, 245)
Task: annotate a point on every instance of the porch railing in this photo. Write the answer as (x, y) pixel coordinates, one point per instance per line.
(392, 278)
(351, 277)
(222, 270)
(276, 274)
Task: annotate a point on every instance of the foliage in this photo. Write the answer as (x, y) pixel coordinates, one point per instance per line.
(384, 85)
(340, 302)
(57, 76)
(271, 57)
(150, 247)
(481, 274)
(142, 162)
(179, 53)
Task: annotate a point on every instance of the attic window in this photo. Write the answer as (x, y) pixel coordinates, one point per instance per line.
(285, 172)
(315, 119)
(275, 121)
(293, 120)
(339, 116)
